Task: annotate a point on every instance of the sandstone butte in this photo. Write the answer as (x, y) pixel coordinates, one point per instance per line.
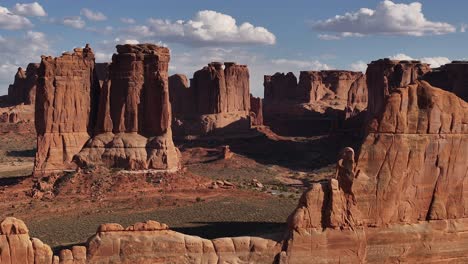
(321, 102)
(217, 100)
(407, 204)
(119, 119)
(23, 90)
(256, 111)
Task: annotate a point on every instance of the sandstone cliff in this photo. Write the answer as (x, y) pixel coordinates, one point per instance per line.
(133, 127)
(256, 111)
(63, 108)
(217, 100)
(385, 75)
(452, 77)
(116, 115)
(320, 103)
(23, 90)
(410, 189)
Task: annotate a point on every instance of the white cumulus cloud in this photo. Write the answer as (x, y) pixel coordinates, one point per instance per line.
(206, 28)
(359, 66)
(11, 21)
(388, 18)
(313, 65)
(127, 20)
(32, 9)
(435, 62)
(19, 52)
(74, 22)
(93, 15)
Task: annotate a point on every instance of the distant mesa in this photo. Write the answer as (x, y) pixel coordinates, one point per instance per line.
(217, 101)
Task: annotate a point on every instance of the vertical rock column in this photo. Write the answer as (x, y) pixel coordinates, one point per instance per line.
(133, 127)
(385, 75)
(63, 107)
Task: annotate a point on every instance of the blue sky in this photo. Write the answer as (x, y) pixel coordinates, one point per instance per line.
(279, 35)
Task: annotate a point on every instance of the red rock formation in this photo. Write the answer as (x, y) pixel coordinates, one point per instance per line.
(122, 121)
(23, 90)
(148, 242)
(451, 77)
(63, 107)
(410, 190)
(279, 87)
(17, 247)
(320, 103)
(133, 127)
(218, 100)
(181, 96)
(256, 111)
(413, 163)
(384, 75)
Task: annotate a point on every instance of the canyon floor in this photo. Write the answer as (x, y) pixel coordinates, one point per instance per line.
(210, 197)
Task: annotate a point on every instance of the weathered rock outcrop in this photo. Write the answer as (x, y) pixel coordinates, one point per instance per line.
(218, 100)
(17, 247)
(452, 77)
(410, 189)
(256, 111)
(320, 103)
(115, 118)
(148, 242)
(384, 75)
(133, 128)
(63, 108)
(23, 90)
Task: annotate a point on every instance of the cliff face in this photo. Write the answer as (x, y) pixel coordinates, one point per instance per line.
(385, 75)
(413, 163)
(217, 100)
(410, 194)
(320, 103)
(86, 116)
(452, 77)
(63, 107)
(23, 90)
(133, 128)
(256, 111)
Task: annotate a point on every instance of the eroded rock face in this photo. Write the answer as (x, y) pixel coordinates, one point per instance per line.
(412, 166)
(409, 186)
(63, 108)
(385, 75)
(217, 100)
(133, 127)
(23, 90)
(256, 111)
(115, 115)
(321, 102)
(17, 247)
(452, 77)
(148, 242)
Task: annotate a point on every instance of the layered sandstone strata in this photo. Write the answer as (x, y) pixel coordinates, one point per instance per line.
(410, 190)
(216, 101)
(23, 90)
(148, 242)
(63, 108)
(452, 77)
(384, 75)
(133, 124)
(17, 247)
(256, 111)
(321, 102)
(115, 115)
